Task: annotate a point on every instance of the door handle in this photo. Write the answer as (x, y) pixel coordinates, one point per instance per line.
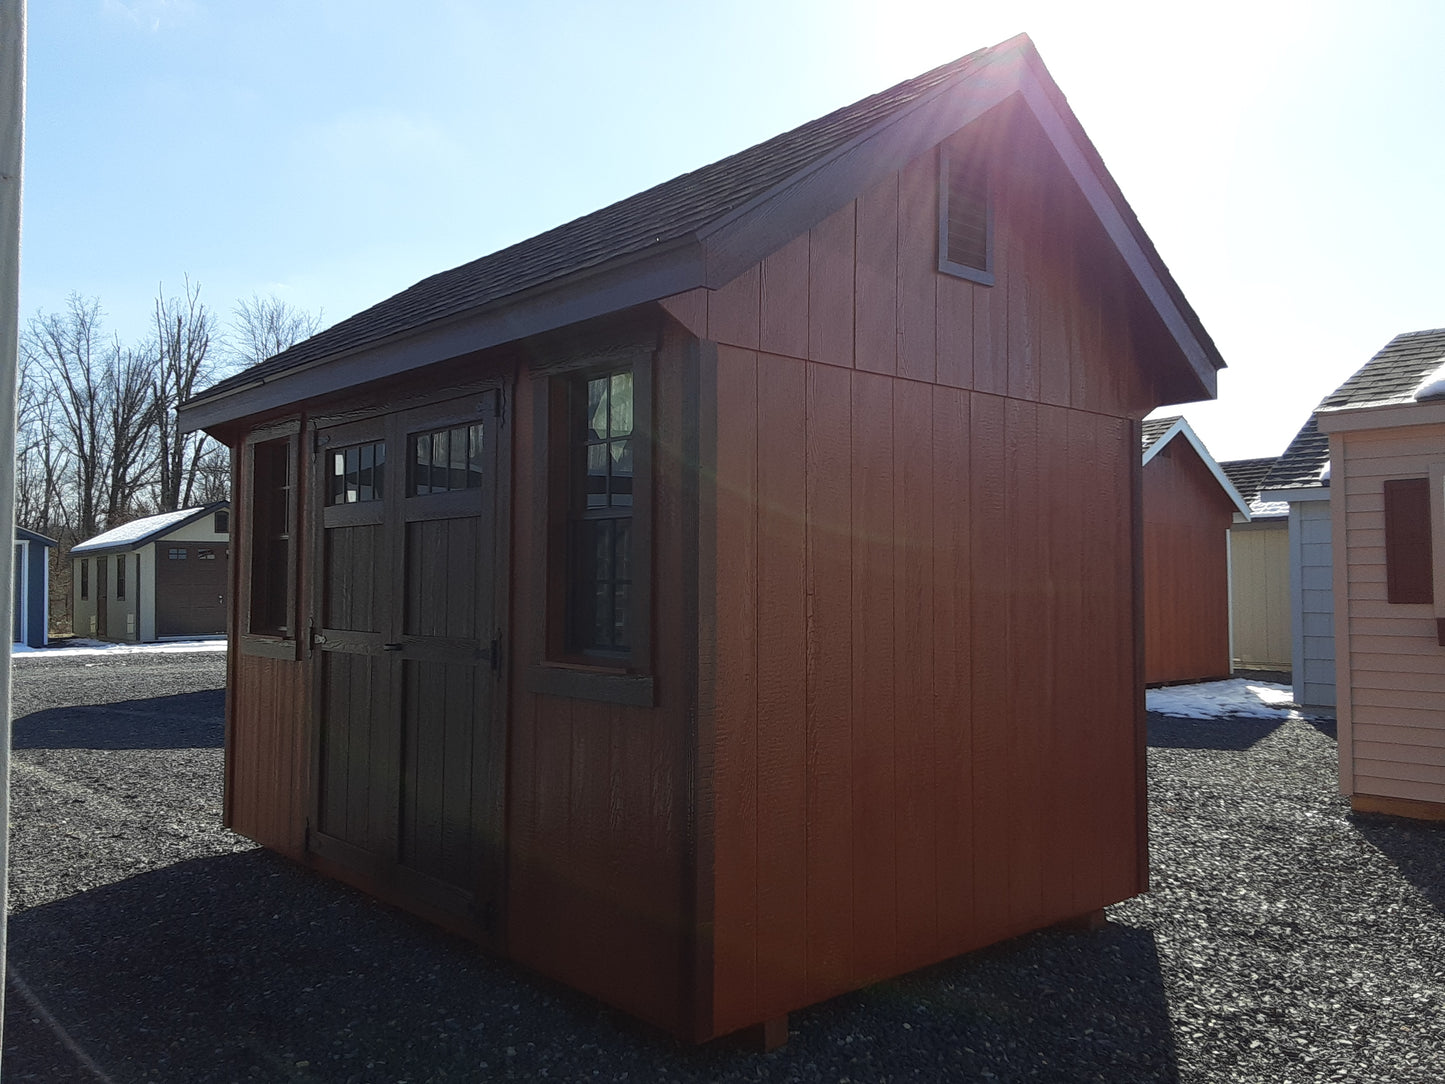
(391, 647)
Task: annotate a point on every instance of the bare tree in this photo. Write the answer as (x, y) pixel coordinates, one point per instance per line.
(185, 332)
(68, 349)
(264, 326)
(134, 414)
(41, 459)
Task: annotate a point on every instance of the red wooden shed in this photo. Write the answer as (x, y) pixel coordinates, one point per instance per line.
(729, 598)
(1189, 505)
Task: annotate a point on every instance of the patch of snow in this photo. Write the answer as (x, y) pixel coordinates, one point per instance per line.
(1236, 697)
(72, 648)
(1325, 472)
(1433, 386)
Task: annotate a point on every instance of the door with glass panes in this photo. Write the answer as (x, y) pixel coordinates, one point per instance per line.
(408, 757)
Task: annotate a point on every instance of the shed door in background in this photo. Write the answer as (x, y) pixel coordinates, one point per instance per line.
(409, 765)
(190, 588)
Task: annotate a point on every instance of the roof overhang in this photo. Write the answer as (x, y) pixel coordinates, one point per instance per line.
(1380, 416)
(1185, 432)
(726, 247)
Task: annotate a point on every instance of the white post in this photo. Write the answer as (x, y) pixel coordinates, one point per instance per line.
(12, 156)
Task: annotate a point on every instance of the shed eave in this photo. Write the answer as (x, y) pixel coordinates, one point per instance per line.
(640, 278)
(1379, 416)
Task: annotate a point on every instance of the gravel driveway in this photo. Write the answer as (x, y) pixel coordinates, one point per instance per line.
(1284, 940)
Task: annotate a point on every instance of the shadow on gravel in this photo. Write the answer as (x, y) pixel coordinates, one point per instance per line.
(1236, 734)
(245, 966)
(1417, 848)
(183, 721)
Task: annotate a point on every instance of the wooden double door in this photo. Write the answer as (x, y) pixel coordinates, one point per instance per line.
(408, 763)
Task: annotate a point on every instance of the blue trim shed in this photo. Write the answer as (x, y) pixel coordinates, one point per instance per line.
(32, 588)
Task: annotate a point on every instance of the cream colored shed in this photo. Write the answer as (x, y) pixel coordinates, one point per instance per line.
(1387, 473)
(158, 578)
(1259, 599)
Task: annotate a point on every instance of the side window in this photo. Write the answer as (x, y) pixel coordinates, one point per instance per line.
(595, 428)
(221, 522)
(601, 459)
(84, 579)
(1409, 572)
(120, 578)
(273, 514)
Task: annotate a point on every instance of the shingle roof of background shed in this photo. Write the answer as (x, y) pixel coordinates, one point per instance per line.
(664, 213)
(1387, 378)
(1154, 428)
(1248, 475)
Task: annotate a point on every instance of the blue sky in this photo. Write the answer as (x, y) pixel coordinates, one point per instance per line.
(1286, 158)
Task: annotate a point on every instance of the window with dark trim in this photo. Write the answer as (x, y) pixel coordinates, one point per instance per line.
(601, 467)
(176, 553)
(271, 531)
(221, 524)
(965, 218)
(120, 578)
(594, 445)
(84, 579)
(357, 474)
(444, 460)
(1409, 572)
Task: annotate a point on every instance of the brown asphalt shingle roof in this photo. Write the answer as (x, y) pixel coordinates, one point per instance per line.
(1390, 377)
(668, 212)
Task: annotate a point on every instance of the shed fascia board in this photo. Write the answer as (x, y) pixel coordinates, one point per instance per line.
(1182, 428)
(646, 277)
(85, 549)
(1388, 416)
(34, 536)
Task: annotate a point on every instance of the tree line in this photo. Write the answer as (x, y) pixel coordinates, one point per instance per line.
(97, 439)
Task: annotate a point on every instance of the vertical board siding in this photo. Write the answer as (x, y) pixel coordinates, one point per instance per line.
(830, 617)
(1391, 658)
(735, 759)
(931, 497)
(1259, 595)
(1186, 568)
(781, 639)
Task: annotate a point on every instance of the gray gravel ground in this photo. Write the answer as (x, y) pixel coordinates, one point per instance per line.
(1284, 941)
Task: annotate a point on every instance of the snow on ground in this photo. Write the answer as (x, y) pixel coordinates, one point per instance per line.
(71, 648)
(1216, 699)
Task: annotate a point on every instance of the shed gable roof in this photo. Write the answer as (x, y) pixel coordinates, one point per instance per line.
(1388, 378)
(1160, 432)
(702, 229)
(139, 532)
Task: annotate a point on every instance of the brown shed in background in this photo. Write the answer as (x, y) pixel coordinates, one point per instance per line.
(1189, 505)
(707, 603)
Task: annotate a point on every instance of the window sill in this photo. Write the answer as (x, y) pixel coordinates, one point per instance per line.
(592, 683)
(963, 271)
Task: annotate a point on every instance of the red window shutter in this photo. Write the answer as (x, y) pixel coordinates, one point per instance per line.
(1408, 561)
